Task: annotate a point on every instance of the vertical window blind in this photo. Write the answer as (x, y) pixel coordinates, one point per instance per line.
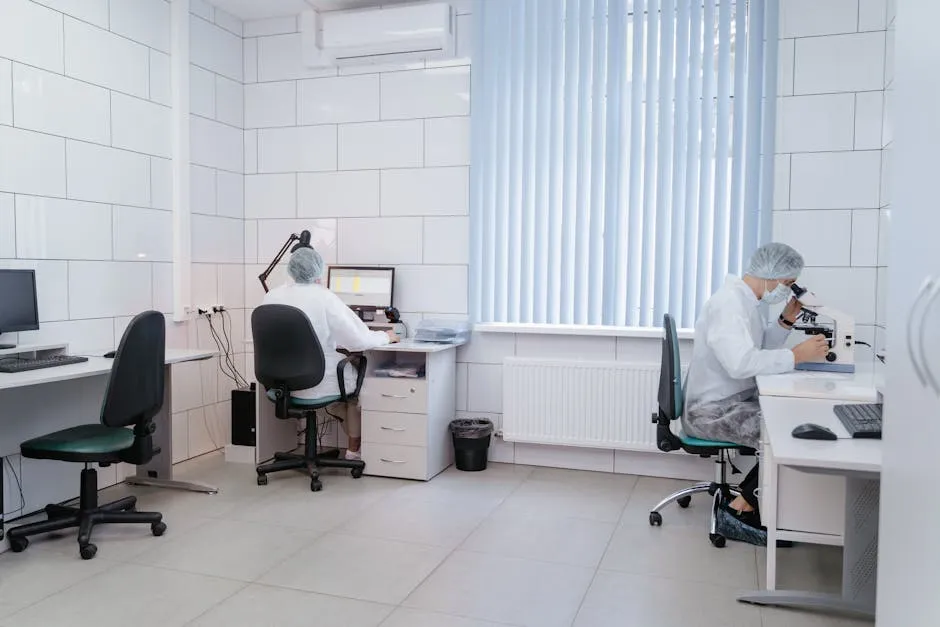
(617, 168)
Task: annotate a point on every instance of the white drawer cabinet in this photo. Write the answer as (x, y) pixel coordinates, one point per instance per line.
(382, 427)
(405, 422)
(396, 395)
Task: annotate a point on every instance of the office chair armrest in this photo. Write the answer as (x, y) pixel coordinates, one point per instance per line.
(142, 450)
(281, 402)
(359, 362)
(666, 440)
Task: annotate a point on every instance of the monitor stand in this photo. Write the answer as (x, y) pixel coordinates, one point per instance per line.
(6, 346)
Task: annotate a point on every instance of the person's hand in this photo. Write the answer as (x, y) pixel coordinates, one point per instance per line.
(392, 337)
(792, 310)
(813, 349)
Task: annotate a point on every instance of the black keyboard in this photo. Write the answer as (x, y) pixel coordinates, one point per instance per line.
(861, 421)
(15, 364)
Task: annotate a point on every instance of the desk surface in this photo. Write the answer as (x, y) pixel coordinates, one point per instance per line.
(862, 385)
(410, 346)
(93, 367)
(782, 414)
(405, 346)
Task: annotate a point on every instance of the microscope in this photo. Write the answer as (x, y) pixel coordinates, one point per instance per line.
(838, 328)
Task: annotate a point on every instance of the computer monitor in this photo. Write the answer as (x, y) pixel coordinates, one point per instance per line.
(18, 308)
(362, 288)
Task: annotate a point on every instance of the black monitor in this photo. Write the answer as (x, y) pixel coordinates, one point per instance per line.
(19, 310)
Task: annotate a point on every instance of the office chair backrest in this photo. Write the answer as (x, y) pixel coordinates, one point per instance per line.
(135, 389)
(670, 376)
(288, 354)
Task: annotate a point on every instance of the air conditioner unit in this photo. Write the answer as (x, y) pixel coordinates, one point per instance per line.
(382, 35)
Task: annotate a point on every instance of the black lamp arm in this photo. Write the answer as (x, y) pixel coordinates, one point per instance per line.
(263, 277)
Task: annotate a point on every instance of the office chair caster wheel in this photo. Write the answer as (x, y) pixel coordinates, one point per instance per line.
(262, 480)
(315, 485)
(717, 540)
(158, 528)
(684, 502)
(18, 545)
(88, 551)
(356, 473)
(656, 519)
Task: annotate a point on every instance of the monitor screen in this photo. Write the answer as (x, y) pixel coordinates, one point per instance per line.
(367, 288)
(18, 310)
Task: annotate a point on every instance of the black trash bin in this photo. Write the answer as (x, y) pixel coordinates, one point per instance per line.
(471, 443)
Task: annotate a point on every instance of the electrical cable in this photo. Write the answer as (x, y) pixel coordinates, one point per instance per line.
(19, 487)
(218, 344)
(231, 351)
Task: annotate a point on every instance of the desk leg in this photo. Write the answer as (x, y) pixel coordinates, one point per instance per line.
(158, 472)
(859, 561)
(769, 518)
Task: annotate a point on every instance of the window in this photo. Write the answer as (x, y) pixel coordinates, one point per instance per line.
(616, 156)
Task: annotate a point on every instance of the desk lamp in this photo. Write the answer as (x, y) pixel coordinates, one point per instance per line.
(303, 241)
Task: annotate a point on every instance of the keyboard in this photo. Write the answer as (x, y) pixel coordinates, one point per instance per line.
(15, 364)
(861, 421)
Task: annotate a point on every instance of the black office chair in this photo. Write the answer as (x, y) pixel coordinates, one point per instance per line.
(671, 401)
(289, 357)
(133, 397)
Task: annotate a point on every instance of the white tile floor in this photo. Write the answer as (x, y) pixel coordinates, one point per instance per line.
(511, 546)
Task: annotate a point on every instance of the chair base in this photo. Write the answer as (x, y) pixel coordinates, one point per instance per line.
(718, 490)
(311, 461)
(85, 517)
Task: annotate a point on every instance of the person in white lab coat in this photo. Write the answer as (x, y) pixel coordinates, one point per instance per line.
(734, 342)
(336, 326)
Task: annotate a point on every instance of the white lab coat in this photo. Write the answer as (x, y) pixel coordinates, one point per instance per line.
(335, 325)
(733, 344)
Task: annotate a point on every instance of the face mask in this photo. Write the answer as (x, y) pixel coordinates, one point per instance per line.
(778, 295)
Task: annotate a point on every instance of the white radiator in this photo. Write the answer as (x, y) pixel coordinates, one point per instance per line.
(580, 403)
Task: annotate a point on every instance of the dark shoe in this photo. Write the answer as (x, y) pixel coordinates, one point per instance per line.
(733, 528)
(751, 518)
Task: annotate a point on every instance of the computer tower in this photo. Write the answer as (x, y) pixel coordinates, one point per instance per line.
(243, 416)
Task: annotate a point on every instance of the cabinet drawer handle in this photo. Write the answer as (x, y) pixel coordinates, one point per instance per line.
(924, 359)
(392, 461)
(393, 396)
(396, 429)
(925, 288)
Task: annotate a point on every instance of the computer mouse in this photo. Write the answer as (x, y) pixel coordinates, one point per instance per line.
(109, 355)
(810, 431)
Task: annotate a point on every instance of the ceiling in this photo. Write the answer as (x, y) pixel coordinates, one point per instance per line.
(260, 9)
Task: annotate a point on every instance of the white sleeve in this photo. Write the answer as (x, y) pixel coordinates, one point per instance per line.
(775, 335)
(349, 331)
(730, 339)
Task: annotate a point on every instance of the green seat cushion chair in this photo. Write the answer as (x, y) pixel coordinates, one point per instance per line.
(688, 440)
(84, 443)
(315, 403)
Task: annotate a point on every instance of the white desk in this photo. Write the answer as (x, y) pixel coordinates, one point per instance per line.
(857, 463)
(41, 401)
(404, 421)
(862, 385)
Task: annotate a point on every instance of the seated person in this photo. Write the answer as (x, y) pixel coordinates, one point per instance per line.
(733, 344)
(336, 326)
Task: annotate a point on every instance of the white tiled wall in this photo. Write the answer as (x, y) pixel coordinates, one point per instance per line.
(373, 160)
(830, 201)
(85, 179)
(217, 197)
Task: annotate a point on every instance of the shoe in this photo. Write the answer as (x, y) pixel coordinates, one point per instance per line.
(353, 456)
(733, 528)
(751, 518)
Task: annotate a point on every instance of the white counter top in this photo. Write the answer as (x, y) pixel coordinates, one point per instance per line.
(93, 367)
(862, 385)
(411, 346)
(782, 414)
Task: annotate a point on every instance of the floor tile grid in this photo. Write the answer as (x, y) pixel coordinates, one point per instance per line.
(598, 569)
(431, 573)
